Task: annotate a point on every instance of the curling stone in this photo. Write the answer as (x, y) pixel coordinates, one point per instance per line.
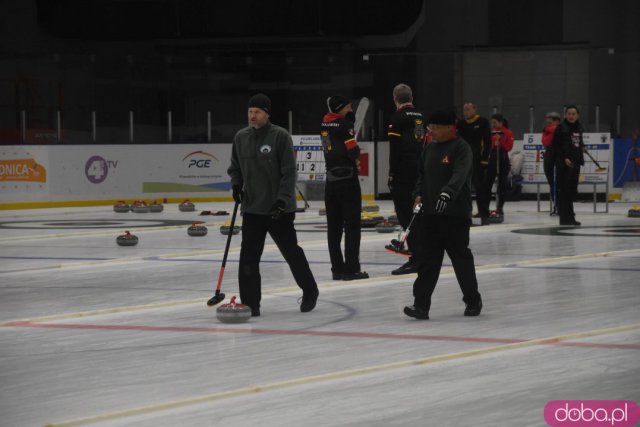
(121, 207)
(127, 239)
(187, 206)
(322, 212)
(368, 220)
(139, 207)
(371, 207)
(197, 230)
(216, 213)
(233, 312)
(385, 227)
(224, 229)
(634, 212)
(393, 219)
(156, 207)
(495, 218)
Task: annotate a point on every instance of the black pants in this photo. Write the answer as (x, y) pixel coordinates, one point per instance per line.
(343, 202)
(567, 191)
(450, 234)
(549, 165)
(254, 232)
(403, 200)
(479, 181)
(502, 173)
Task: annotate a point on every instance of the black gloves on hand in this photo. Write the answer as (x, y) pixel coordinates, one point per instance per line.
(441, 203)
(237, 193)
(277, 209)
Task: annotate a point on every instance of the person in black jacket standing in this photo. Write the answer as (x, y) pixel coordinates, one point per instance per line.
(263, 179)
(569, 149)
(444, 189)
(476, 130)
(342, 197)
(407, 132)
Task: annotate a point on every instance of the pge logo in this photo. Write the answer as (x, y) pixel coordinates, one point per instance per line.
(199, 159)
(97, 168)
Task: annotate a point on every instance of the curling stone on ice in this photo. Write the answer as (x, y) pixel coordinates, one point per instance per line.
(121, 207)
(233, 312)
(393, 219)
(139, 206)
(187, 206)
(215, 213)
(634, 212)
(197, 230)
(224, 229)
(369, 220)
(385, 227)
(156, 207)
(371, 207)
(127, 239)
(496, 218)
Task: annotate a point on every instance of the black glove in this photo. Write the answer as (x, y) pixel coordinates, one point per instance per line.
(441, 203)
(237, 193)
(277, 209)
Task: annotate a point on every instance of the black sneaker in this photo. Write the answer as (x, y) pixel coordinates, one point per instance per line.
(407, 268)
(309, 300)
(355, 276)
(484, 221)
(473, 310)
(416, 312)
(336, 276)
(255, 311)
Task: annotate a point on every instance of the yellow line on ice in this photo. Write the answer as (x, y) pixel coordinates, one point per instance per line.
(338, 375)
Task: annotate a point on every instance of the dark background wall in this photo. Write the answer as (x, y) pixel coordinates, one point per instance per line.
(194, 57)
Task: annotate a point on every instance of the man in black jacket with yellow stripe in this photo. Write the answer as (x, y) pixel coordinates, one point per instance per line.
(444, 189)
(407, 132)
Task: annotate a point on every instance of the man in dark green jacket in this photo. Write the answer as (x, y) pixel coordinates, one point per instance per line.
(444, 189)
(263, 179)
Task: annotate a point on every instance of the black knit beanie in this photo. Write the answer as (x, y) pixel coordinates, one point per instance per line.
(261, 101)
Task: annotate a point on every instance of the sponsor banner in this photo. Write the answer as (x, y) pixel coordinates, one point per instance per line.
(23, 170)
(128, 172)
(94, 172)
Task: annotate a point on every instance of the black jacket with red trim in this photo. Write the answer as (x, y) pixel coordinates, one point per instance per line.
(339, 143)
(407, 134)
(445, 167)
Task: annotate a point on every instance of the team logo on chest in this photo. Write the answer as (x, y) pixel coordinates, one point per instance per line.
(445, 160)
(265, 149)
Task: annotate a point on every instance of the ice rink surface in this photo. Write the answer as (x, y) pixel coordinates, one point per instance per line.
(96, 334)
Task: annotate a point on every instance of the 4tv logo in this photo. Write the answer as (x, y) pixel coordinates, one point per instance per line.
(97, 168)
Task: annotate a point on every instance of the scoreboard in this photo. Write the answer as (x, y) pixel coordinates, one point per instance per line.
(310, 163)
(598, 144)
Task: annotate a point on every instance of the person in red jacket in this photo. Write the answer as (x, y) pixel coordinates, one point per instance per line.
(499, 165)
(553, 120)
